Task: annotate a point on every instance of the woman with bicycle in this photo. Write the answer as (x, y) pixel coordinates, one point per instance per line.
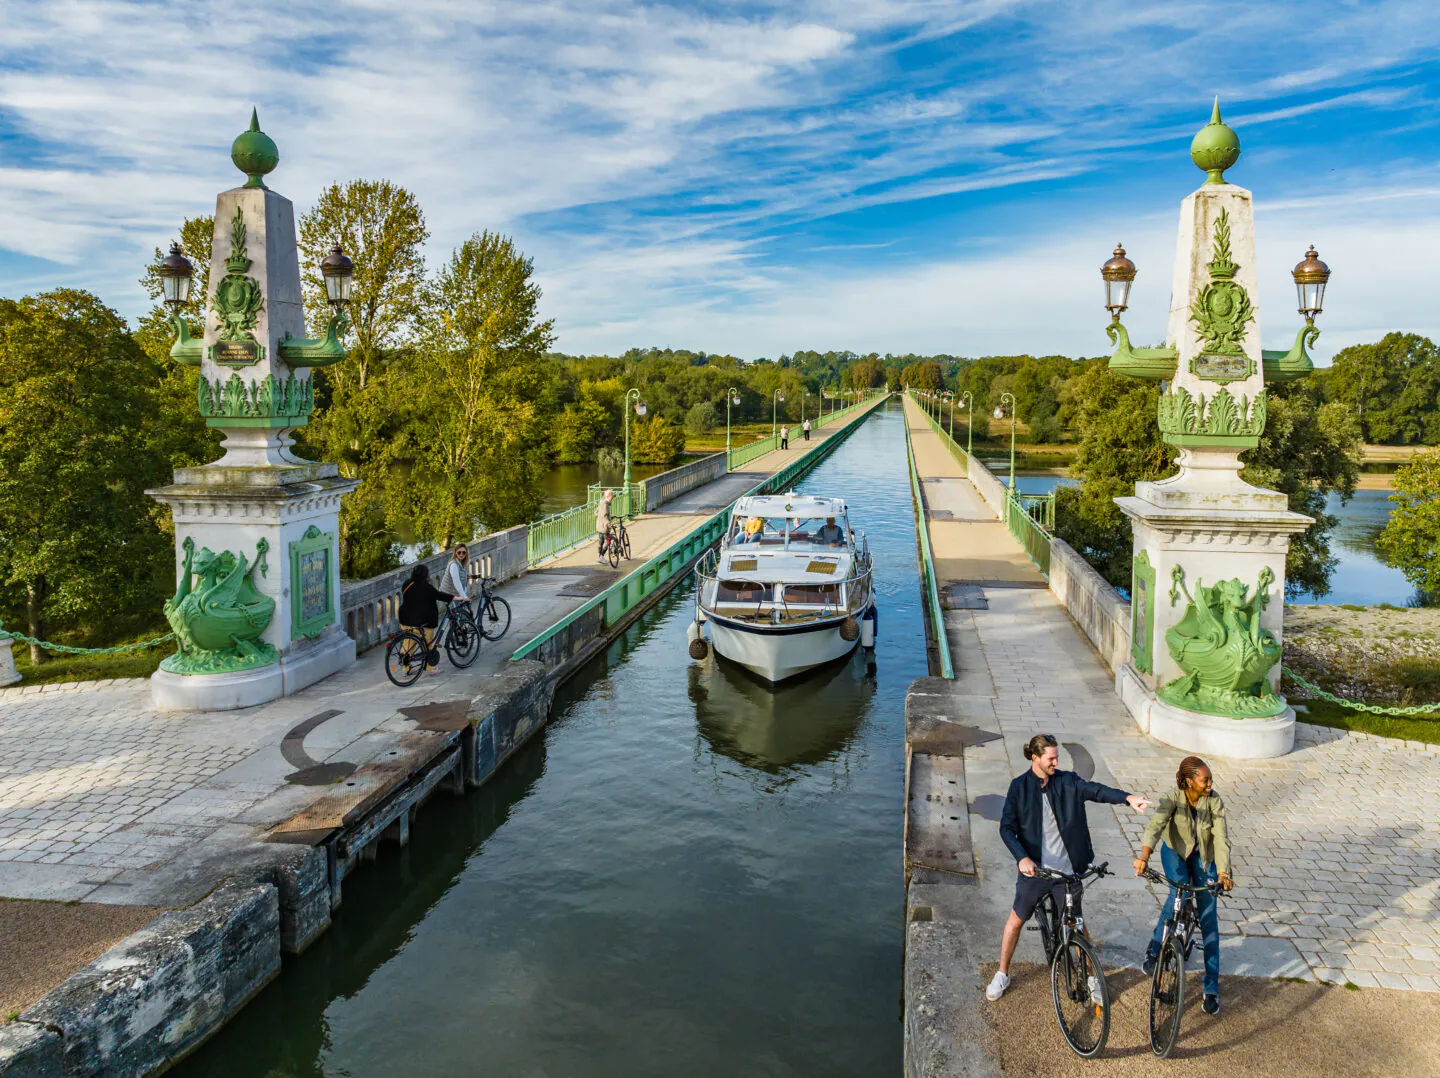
(1190, 820)
(417, 608)
(458, 572)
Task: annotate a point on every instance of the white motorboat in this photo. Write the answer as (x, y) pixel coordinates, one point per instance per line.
(789, 588)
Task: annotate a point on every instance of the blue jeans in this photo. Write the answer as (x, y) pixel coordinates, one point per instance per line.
(1190, 870)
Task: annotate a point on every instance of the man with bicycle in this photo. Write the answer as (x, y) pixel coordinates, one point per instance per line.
(602, 522)
(1043, 825)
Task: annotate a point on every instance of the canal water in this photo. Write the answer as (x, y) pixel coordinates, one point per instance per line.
(685, 873)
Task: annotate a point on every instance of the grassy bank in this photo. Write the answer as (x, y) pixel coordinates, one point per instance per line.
(89, 667)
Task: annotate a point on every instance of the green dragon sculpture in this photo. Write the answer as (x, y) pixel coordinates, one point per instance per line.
(1222, 649)
(218, 620)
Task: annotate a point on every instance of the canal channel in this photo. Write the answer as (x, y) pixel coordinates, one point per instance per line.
(684, 873)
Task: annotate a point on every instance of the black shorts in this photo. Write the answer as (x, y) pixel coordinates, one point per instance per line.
(1030, 890)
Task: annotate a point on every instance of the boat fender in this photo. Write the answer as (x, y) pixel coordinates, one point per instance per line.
(699, 648)
(849, 630)
(867, 629)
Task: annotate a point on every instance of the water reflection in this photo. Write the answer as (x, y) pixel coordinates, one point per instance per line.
(800, 722)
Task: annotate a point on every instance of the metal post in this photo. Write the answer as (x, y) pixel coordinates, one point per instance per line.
(730, 395)
(969, 423)
(1007, 395)
(628, 394)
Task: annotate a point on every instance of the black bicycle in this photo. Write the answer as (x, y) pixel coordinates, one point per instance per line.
(406, 656)
(494, 614)
(616, 543)
(1077, 981)
(1167, 983)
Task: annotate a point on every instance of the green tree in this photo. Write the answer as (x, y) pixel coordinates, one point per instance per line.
(360, 409)
(1392, 387)
(656, 440)
(1411, 540)
(477, 443)
(700, 418)
(80, 546)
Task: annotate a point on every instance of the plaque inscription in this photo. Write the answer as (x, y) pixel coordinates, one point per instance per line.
(235, 353)
(1221, 368)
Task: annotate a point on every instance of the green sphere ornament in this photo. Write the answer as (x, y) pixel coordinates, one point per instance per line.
(254, 153)
(1215, 148)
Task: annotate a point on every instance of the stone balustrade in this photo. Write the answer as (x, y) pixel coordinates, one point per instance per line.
(1091, 601)
(371, 607)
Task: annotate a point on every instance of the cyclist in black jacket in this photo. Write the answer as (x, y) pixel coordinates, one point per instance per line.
(1043, 825)
(417, 607)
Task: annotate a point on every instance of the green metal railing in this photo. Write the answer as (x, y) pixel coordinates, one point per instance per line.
(927, 567)
(1030, 518)
(629, 501)
(746, 453)
(628, 592)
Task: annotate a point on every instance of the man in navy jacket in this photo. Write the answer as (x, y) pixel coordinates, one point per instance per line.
(1043, 825)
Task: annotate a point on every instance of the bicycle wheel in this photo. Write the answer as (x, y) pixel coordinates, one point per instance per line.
(463, 643)
(405, 659)
(495, 619)
(625, 545)
(1167, 998)
(612, 551)
(1084, 1022)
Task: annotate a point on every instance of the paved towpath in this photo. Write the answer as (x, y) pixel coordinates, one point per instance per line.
(1336, 852)
(105, 800)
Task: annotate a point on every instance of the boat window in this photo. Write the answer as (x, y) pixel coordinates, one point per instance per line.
(814, 594)
(744, 591)
(767, 531)
(818, 531)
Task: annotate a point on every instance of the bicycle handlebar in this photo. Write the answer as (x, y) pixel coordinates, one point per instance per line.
(1102, 869)
(1156, 877)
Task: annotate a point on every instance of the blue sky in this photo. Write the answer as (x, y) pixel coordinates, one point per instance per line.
(892, 175)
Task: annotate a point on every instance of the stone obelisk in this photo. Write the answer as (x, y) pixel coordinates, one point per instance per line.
(1208, 592)
(257, 604)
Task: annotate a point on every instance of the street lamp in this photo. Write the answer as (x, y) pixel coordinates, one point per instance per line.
(339, 274)
(1311, 276)
(804, 393)
(950, 396)
(177, 276)
(640, 411)
(1118, 275)
(1000, 414)
(732, 396)
(969, 421)
(776, 399)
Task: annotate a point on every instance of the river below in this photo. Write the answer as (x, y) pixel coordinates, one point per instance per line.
(684, 873)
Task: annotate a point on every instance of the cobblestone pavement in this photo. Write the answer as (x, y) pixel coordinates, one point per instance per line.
(1335, 846)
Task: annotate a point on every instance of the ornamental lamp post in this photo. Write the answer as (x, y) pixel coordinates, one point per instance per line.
(1209, 547)
(1311, 275)
(639, 411)
(339, 274)
(969, 422)
(776, 399)
(1000, 414)
(950, 397)
(177, 276)
(732, 396)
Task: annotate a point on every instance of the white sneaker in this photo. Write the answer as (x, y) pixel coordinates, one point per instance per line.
(998, 984)
(1095, 996)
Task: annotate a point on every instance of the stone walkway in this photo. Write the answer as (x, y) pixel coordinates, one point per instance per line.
(1336, 851)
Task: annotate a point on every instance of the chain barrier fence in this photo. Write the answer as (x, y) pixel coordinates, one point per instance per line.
(1374, 709)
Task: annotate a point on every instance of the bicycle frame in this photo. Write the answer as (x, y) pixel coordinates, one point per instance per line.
(1184, 917)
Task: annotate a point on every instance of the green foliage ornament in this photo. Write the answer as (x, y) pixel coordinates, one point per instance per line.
(1222, 313)
(1222, 650)
(271, 401)
(218, 620)
(1211, 420)
(238, 302)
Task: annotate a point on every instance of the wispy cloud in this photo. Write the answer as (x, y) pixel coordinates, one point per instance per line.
(695, 169)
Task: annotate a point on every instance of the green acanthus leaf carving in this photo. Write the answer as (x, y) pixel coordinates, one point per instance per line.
(268, 398)
(1222, 311)
(1220, 416)
(218, 614)
(238, 299)
(1222, 650)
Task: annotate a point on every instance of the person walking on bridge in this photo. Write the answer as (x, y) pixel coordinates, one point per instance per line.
(602, 523)
(805, 430)
(784, 437)
(1043, 825)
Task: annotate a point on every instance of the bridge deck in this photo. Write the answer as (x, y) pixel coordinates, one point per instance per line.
(971, 543)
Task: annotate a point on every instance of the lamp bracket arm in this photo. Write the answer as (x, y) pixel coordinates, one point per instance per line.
(186, 350)
(304, 352)
(1151, 364)
(1296, 363)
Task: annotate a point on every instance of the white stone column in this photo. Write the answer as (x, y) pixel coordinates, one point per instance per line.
(8, 674)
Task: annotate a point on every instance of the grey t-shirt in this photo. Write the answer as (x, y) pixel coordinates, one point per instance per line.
(1054, 856)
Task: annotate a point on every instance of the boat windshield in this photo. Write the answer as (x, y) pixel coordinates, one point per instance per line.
(809, 532)
(765, 531)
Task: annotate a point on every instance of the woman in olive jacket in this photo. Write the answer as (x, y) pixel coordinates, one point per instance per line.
(1196, 851)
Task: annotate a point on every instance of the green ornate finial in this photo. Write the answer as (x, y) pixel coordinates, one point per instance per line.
(1216, 147)
(254, 152)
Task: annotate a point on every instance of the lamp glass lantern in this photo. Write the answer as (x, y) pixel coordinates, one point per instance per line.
(1311, 276)
(1118, 275)
(339, 273)
(177, 276)
(640, 408)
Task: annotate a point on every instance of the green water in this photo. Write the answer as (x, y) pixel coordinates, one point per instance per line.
(685, 873)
